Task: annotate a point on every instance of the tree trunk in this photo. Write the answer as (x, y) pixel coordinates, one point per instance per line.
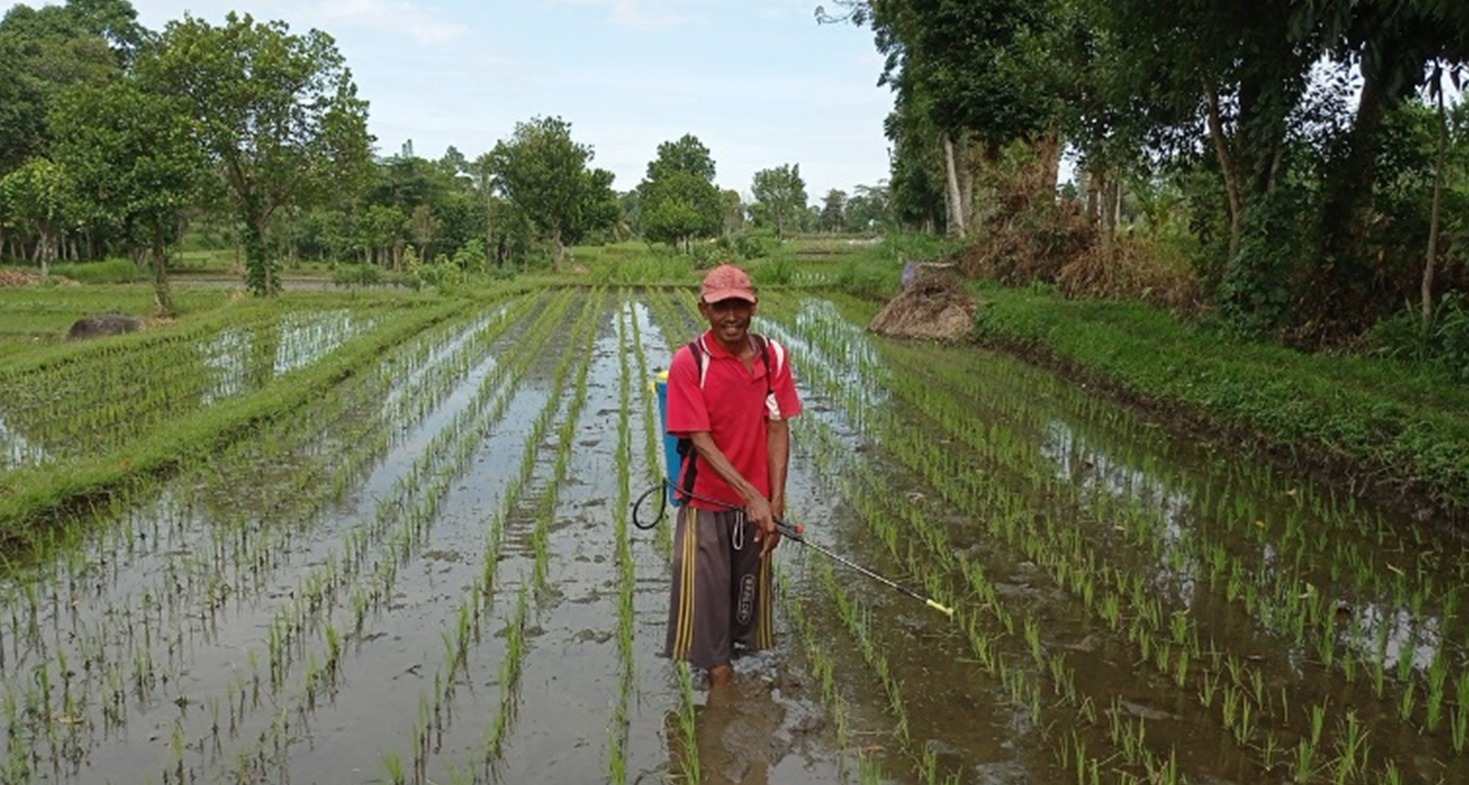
(957, 226)
(1438, 179)
(1095, 179)
(966, 186)
(1110, 208)
(260, 274)
(162, 299)
(1229, 167)
(1048, 161)
(44, 254)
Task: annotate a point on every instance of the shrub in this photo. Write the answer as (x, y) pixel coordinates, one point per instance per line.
(1445, 344)
(865, 281)
(109, 271)
(357, 275)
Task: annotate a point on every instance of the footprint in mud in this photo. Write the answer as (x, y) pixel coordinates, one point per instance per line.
(592, 636)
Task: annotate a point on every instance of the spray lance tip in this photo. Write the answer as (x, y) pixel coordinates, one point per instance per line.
(945, 610)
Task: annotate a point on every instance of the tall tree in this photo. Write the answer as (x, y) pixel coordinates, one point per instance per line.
(678, 199)
(868, 209)
(46, 50)
(781, 194)
(834, 211)
(277, 113)
(543, 172)
(135, 163)
(39, 198)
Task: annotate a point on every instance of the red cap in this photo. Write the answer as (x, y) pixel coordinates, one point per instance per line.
(727, 282)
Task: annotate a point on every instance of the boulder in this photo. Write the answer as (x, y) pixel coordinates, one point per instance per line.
(105, 324)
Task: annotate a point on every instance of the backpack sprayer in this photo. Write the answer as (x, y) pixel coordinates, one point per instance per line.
(676, 451)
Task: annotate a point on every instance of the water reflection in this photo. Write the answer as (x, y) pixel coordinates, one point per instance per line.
(241, 359)
(17, 450)
(1373, 631)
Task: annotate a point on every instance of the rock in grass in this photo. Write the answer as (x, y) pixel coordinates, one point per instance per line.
(105, 324)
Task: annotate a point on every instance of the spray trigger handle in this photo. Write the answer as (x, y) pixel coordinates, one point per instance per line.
(788, 529)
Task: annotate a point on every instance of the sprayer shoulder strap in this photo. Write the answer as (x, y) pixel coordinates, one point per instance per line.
(700, 353)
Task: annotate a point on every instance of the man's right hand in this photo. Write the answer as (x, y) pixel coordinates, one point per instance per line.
(758, 512)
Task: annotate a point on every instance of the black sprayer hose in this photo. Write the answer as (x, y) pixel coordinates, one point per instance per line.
(788, 530)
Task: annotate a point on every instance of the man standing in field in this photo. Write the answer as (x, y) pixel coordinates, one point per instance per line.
(730, 394)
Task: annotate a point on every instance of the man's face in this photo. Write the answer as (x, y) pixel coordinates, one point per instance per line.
(728, 319)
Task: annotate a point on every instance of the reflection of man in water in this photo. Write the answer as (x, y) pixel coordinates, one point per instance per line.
(738, 735)
(730, 393)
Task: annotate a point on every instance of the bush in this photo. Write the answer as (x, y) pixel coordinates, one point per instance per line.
(776, 272)
(357, 275)
(109, 271)
(1444, 345)
(446, 278)
(867, 282)
(749, 246)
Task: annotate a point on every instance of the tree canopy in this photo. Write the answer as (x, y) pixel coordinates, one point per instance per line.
(544, 173)
(780, 197)
(678, 200)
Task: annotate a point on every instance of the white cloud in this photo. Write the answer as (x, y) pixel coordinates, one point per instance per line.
(643, 14)
(420, 24)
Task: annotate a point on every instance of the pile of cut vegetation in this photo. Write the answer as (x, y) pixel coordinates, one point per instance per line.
(934, 306)
(17, 278)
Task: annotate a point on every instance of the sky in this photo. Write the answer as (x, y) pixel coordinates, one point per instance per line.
(759, 82)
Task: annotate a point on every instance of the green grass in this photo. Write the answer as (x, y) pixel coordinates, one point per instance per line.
(108, 271)
(28, 495)
(40, 315)
(1411, 423)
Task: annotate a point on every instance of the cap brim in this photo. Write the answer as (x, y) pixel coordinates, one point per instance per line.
(720, 295)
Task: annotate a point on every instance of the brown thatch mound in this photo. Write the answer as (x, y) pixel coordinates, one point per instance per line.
(17, 278)
(934, 306)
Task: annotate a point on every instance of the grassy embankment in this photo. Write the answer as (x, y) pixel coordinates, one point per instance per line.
(30, 496)
(1369, 419)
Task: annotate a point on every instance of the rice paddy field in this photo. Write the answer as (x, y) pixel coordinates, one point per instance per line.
(408, 555)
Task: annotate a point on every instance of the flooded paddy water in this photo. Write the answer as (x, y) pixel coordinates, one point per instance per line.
(429, 575)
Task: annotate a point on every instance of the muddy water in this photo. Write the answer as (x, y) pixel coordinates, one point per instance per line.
(342, 600)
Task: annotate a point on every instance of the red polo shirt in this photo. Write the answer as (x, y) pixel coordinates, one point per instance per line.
(731, 406)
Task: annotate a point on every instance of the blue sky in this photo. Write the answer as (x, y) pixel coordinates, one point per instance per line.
(758, 81)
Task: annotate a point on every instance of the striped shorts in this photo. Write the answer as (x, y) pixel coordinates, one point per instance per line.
(722, 592)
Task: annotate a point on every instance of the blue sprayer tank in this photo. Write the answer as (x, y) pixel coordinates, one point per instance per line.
(671, 460)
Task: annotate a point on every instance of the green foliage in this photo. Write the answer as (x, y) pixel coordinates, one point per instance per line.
(135, 164)
(834, 211)
(780, 196)
(1445, 344)
(45, 51)
(1257, 289)
(543, 173)
(744, 245)
(357, 275)
(443, 278)
(109, 271)
(278, 111)
(642, 268)
(749, 245)
(40, 197)
(866, 281)
(775, 272)
(678, 200)
(1368, 409)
